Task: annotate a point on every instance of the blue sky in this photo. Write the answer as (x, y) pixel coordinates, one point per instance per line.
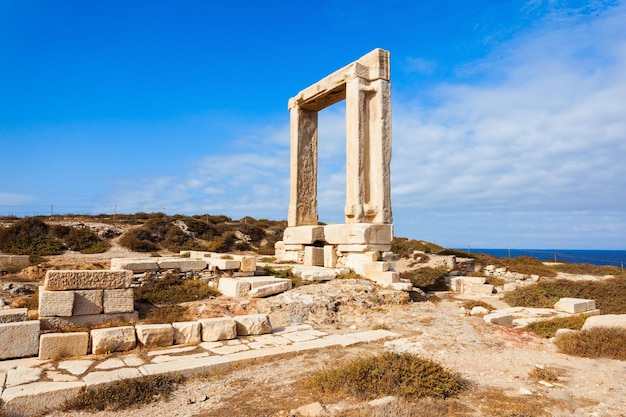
(509, 117)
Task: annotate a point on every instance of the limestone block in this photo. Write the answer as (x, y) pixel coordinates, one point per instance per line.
(289, 255)
(13, 315)
(220, 328)
(574, 305)
(118, 301)
(369, 267)
(39, 397)
(182, 264)
(363, 248)
(187, 332)
(261, 281)
(20, 339)
(479, 311)
(58, 323)
(22, 260)
(303, 235)
(270, 289)
(330, 256)
(510, 286)
(474, 280)
(314, 273)
(113, 339)
(63, 345)
(57, 280)
(482, 288)
(247, 263)
(224, 264)
(55, 303)
(134, 264)
(383, 278)
(313, 256)
(401, 286)
(155, 335)
(234, 287)
(606, 320)
(502, 319)
(87, 302)
(359, 234)
(253, 324)
(456, 284)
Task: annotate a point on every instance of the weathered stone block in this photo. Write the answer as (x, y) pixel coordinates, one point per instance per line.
(58, 323)
(606, 320)
(113, 339)
(20, 339)
(253, 324)
(314, 273)
(13, 315)
(87, 302)
(574, 305)
(358, 234)
(37, 398)
(502, 319)
(330, 256)
(220, 328)
(270, 289)
(234, 287)
(482, 288)
(63, 345)
(224, 264)
(118, 301)
(313, 256)
(55, 303)
(370, 267)
(182, 264)
(383, 278)
(155, 335)
(187, 332)
(134, 264)
(57, 280)
(303, 235)
(246, 263)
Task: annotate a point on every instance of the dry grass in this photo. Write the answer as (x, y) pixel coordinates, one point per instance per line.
(610, 295)
(173, 289)
(548, 328)
(494, 403)
(427, 278)
(400, 374)
(430, 407)
(126, 393)
(469, 304)
(601, 342)
(544, 374)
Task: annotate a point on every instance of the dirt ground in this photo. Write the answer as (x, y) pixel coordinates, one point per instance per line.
(496, 360)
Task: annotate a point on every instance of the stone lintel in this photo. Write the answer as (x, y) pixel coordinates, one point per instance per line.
(302, 235)
(332, 89)
(359, 234)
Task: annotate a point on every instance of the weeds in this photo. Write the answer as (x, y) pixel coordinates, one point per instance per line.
(171, 288)
(601, 342)
(544, 374)
(548, 328)
(610, 295)
(427, 278)
(400, 374)
(469, 304)
(165, 314)
(126, 393)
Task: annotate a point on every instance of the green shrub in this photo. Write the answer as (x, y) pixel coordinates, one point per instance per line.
(29, 236)
(126, 393)
(171, 288)
(601, 342)
(400, 374)
(427, 278)
(139, 240)
(98, 247)
(223, 243)
(548, 328)
(610, 294)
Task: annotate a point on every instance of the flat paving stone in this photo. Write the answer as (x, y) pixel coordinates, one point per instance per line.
(57, 376)
(210, 345)
(294, 328)
(22, 363)
(185, 366)
(22, 376)
(76, 367)
(171, 351)
(168, 358)
(300, 336)
(225, 350)
(104, 377)
(372, 335)
(38, 397)
(133, 360)
(111, 364)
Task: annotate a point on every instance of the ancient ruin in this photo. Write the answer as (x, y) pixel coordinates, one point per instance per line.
(362, 241)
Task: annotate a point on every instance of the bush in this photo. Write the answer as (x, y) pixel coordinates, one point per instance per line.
(601, 342)
(401, 245)
(427, 278)
(399, 374)
(610, 294)
(138, 240)
(223, 243)
(171, 288)
(548, 328)
(126, 393)
(29, 236)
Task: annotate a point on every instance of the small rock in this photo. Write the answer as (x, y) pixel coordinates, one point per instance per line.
(525, 391)
(478, 311)
(546, 384)
(311, 410)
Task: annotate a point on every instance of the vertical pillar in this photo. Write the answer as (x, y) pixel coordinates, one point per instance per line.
(303, 167)
(357, 156)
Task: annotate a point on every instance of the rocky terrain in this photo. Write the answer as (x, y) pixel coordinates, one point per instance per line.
(498, 361)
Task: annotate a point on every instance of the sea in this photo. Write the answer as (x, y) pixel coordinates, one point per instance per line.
(581, 256)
